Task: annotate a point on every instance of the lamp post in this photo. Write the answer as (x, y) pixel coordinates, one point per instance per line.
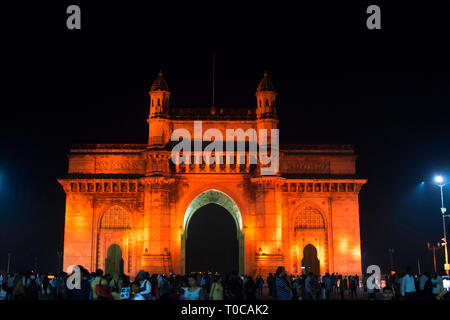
(9, 260)
(440, 182)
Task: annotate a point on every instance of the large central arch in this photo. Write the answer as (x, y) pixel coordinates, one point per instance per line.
(222, 199)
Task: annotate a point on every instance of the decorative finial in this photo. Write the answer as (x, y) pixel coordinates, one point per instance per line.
(160, 73)
(265, 73)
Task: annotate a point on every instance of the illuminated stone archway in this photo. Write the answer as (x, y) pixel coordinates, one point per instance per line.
(159, 196)
(222, 199)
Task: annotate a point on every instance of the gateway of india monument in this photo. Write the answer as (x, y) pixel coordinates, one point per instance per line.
(128, 206)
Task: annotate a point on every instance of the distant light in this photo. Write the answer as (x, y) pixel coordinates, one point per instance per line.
(439, 179)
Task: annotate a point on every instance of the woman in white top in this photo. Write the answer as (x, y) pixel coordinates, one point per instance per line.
(145, 287)
(192, 292)
(436, 282)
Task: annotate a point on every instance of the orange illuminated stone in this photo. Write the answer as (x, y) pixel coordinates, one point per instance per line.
(128, 206)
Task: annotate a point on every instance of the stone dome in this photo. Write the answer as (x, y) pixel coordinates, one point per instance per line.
(265, 84)
(160, 83)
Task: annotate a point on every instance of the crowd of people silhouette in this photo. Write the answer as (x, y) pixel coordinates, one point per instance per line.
(215, 286)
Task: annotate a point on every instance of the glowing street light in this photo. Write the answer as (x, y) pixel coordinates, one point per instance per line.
(439, 179)
(440, 182)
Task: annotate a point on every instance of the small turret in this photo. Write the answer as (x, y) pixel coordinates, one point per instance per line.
(159, 97)
(266, 98)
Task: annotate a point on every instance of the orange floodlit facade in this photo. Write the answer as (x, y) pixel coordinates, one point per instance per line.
(128, 206)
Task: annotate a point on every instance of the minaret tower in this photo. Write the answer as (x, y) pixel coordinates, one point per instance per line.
(158, 119)
(266, 98)
(266, 112)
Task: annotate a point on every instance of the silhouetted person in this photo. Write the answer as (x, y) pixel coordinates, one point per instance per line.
(260, 285)
(342, 286)
(250, 289)
(282, 285)
(353, 284)
(45, 283)
(216, 292)
(235, 286)
(271, 285)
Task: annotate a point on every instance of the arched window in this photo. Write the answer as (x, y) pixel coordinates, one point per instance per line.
(309, 218)
(115, 218)
(159, 102)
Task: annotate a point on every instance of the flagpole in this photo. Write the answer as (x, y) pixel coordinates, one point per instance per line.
(214, 78)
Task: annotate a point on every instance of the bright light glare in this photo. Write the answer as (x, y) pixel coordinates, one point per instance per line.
(439, 179)
(446, 284)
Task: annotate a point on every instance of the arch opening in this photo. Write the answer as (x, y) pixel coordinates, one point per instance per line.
(223, 200)
(212, 245)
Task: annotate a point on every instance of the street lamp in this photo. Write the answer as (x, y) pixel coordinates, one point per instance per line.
(440, 182)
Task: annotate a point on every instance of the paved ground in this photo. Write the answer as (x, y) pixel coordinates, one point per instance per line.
(361, 295)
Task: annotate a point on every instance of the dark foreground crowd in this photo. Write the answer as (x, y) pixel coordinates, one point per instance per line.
(208, 286)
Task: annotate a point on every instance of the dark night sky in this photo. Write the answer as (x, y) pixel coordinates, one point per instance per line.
(386, 91)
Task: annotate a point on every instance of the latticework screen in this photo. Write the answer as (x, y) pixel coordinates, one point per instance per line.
(115, 218)
(309, 218)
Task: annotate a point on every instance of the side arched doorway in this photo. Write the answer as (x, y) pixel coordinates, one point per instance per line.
(114, 241)
(310, 262)
(114, 261)
(310, 241)
(219, 198)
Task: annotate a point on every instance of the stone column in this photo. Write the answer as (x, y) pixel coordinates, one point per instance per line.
(268, 238)
(147, 210)
(156, 226)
